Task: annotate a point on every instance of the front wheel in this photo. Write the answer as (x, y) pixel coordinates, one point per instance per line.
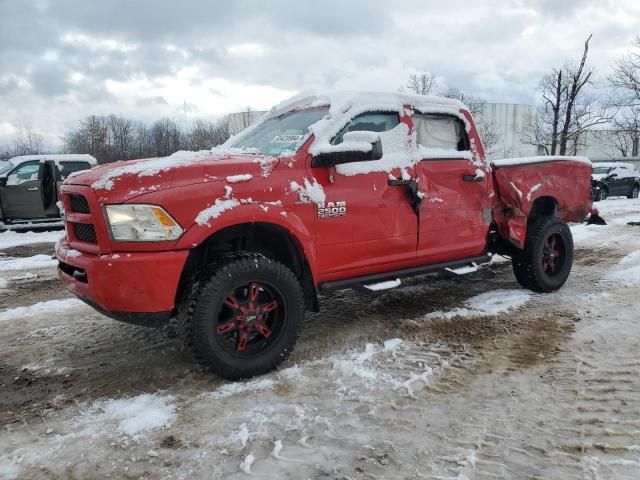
(604, 193)
(545, 263)
(634, 192)
(246, 318)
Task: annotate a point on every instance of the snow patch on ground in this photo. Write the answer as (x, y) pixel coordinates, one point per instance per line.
(48, 308)
(34, 262)
(132, 416)
(627, 272)
(11, 239)
(486, 304)
(230, 389)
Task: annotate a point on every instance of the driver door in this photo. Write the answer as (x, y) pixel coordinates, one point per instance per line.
(21, 194)
(366, 225)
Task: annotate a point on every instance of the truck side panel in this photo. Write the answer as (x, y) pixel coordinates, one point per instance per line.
(567, 183)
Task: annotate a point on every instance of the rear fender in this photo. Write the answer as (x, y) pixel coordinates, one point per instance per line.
(526, 190)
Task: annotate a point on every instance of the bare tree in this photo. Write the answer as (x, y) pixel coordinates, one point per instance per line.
(27, 141)
(626, 76)
(624, 136)
(567, 110)
(421, 83)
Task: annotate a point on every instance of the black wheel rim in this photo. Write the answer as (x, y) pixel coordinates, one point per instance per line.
(604, 195)
(251, 319)
(554, 254)
(634, 193)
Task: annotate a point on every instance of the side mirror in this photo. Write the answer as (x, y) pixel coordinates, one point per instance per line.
(613, 175)
(3, 182)
(356, 147)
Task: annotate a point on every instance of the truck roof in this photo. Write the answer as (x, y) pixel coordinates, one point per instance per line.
(70, 157)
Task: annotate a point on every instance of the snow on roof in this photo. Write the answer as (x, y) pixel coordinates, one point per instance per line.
(509, 162)
(612, 164)
(345, 105)
(69, 157)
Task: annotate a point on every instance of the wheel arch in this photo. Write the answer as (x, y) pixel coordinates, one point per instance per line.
(269, 239)
(544, 206)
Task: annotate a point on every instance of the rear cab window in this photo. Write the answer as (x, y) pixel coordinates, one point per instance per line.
(440, 132)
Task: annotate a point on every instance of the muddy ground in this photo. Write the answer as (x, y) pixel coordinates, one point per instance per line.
(550, 390)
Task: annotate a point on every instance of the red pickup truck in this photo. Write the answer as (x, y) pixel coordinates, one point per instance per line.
(325, 192)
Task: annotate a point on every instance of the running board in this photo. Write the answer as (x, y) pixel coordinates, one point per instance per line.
(472, 267)
(397, 274)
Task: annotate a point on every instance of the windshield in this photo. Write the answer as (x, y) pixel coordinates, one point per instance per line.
(283, 134)
(5, 167)
(601, 169)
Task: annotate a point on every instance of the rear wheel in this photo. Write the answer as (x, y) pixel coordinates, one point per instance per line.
(545, 263)
(634, 192)
(246, 318)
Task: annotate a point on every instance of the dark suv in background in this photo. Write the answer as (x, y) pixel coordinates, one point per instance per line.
(613, 180)
(21, 186)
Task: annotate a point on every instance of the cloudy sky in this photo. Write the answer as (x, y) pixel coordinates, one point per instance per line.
(61, 60)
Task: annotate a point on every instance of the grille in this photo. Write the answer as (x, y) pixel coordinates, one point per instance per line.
(85, 232)
(79, 204)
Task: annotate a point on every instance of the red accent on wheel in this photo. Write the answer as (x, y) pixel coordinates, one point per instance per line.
(269, 307)
(226, 327)
(232, 302)
(264, 330)
(242, 341)
(254, 291)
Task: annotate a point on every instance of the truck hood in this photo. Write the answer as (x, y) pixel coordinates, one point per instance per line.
(121, 181)
(599, 176)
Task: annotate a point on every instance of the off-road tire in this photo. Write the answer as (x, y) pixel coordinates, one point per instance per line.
(528, 265)
(199, 314)
(634, 192)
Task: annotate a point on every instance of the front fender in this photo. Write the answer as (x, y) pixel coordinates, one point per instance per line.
(248, 213)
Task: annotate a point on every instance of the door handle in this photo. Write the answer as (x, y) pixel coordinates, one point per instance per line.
(32, 189)
(397, 183)
(472, 178)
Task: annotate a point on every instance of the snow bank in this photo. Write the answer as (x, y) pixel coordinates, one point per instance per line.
(134, 416)
(36, 261)
(486, 304)
(12, 239)
(49, 308)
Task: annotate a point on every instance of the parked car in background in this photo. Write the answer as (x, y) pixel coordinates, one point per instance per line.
(614, 179)
(21, 186)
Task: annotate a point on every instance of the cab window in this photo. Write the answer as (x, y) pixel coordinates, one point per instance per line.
(368, 122)
(67, 168)
(26, 172)
(440, 131)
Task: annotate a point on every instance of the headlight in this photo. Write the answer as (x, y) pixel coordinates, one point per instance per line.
(141, 223)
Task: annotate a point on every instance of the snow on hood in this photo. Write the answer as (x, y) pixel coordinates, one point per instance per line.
(181, 168)
(599, 176)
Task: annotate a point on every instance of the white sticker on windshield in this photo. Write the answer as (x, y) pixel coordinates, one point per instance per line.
(287, 138)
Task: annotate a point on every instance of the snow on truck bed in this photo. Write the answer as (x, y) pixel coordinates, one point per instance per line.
(512, 162)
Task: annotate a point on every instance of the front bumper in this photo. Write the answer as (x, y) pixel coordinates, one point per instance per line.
(133, 287)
